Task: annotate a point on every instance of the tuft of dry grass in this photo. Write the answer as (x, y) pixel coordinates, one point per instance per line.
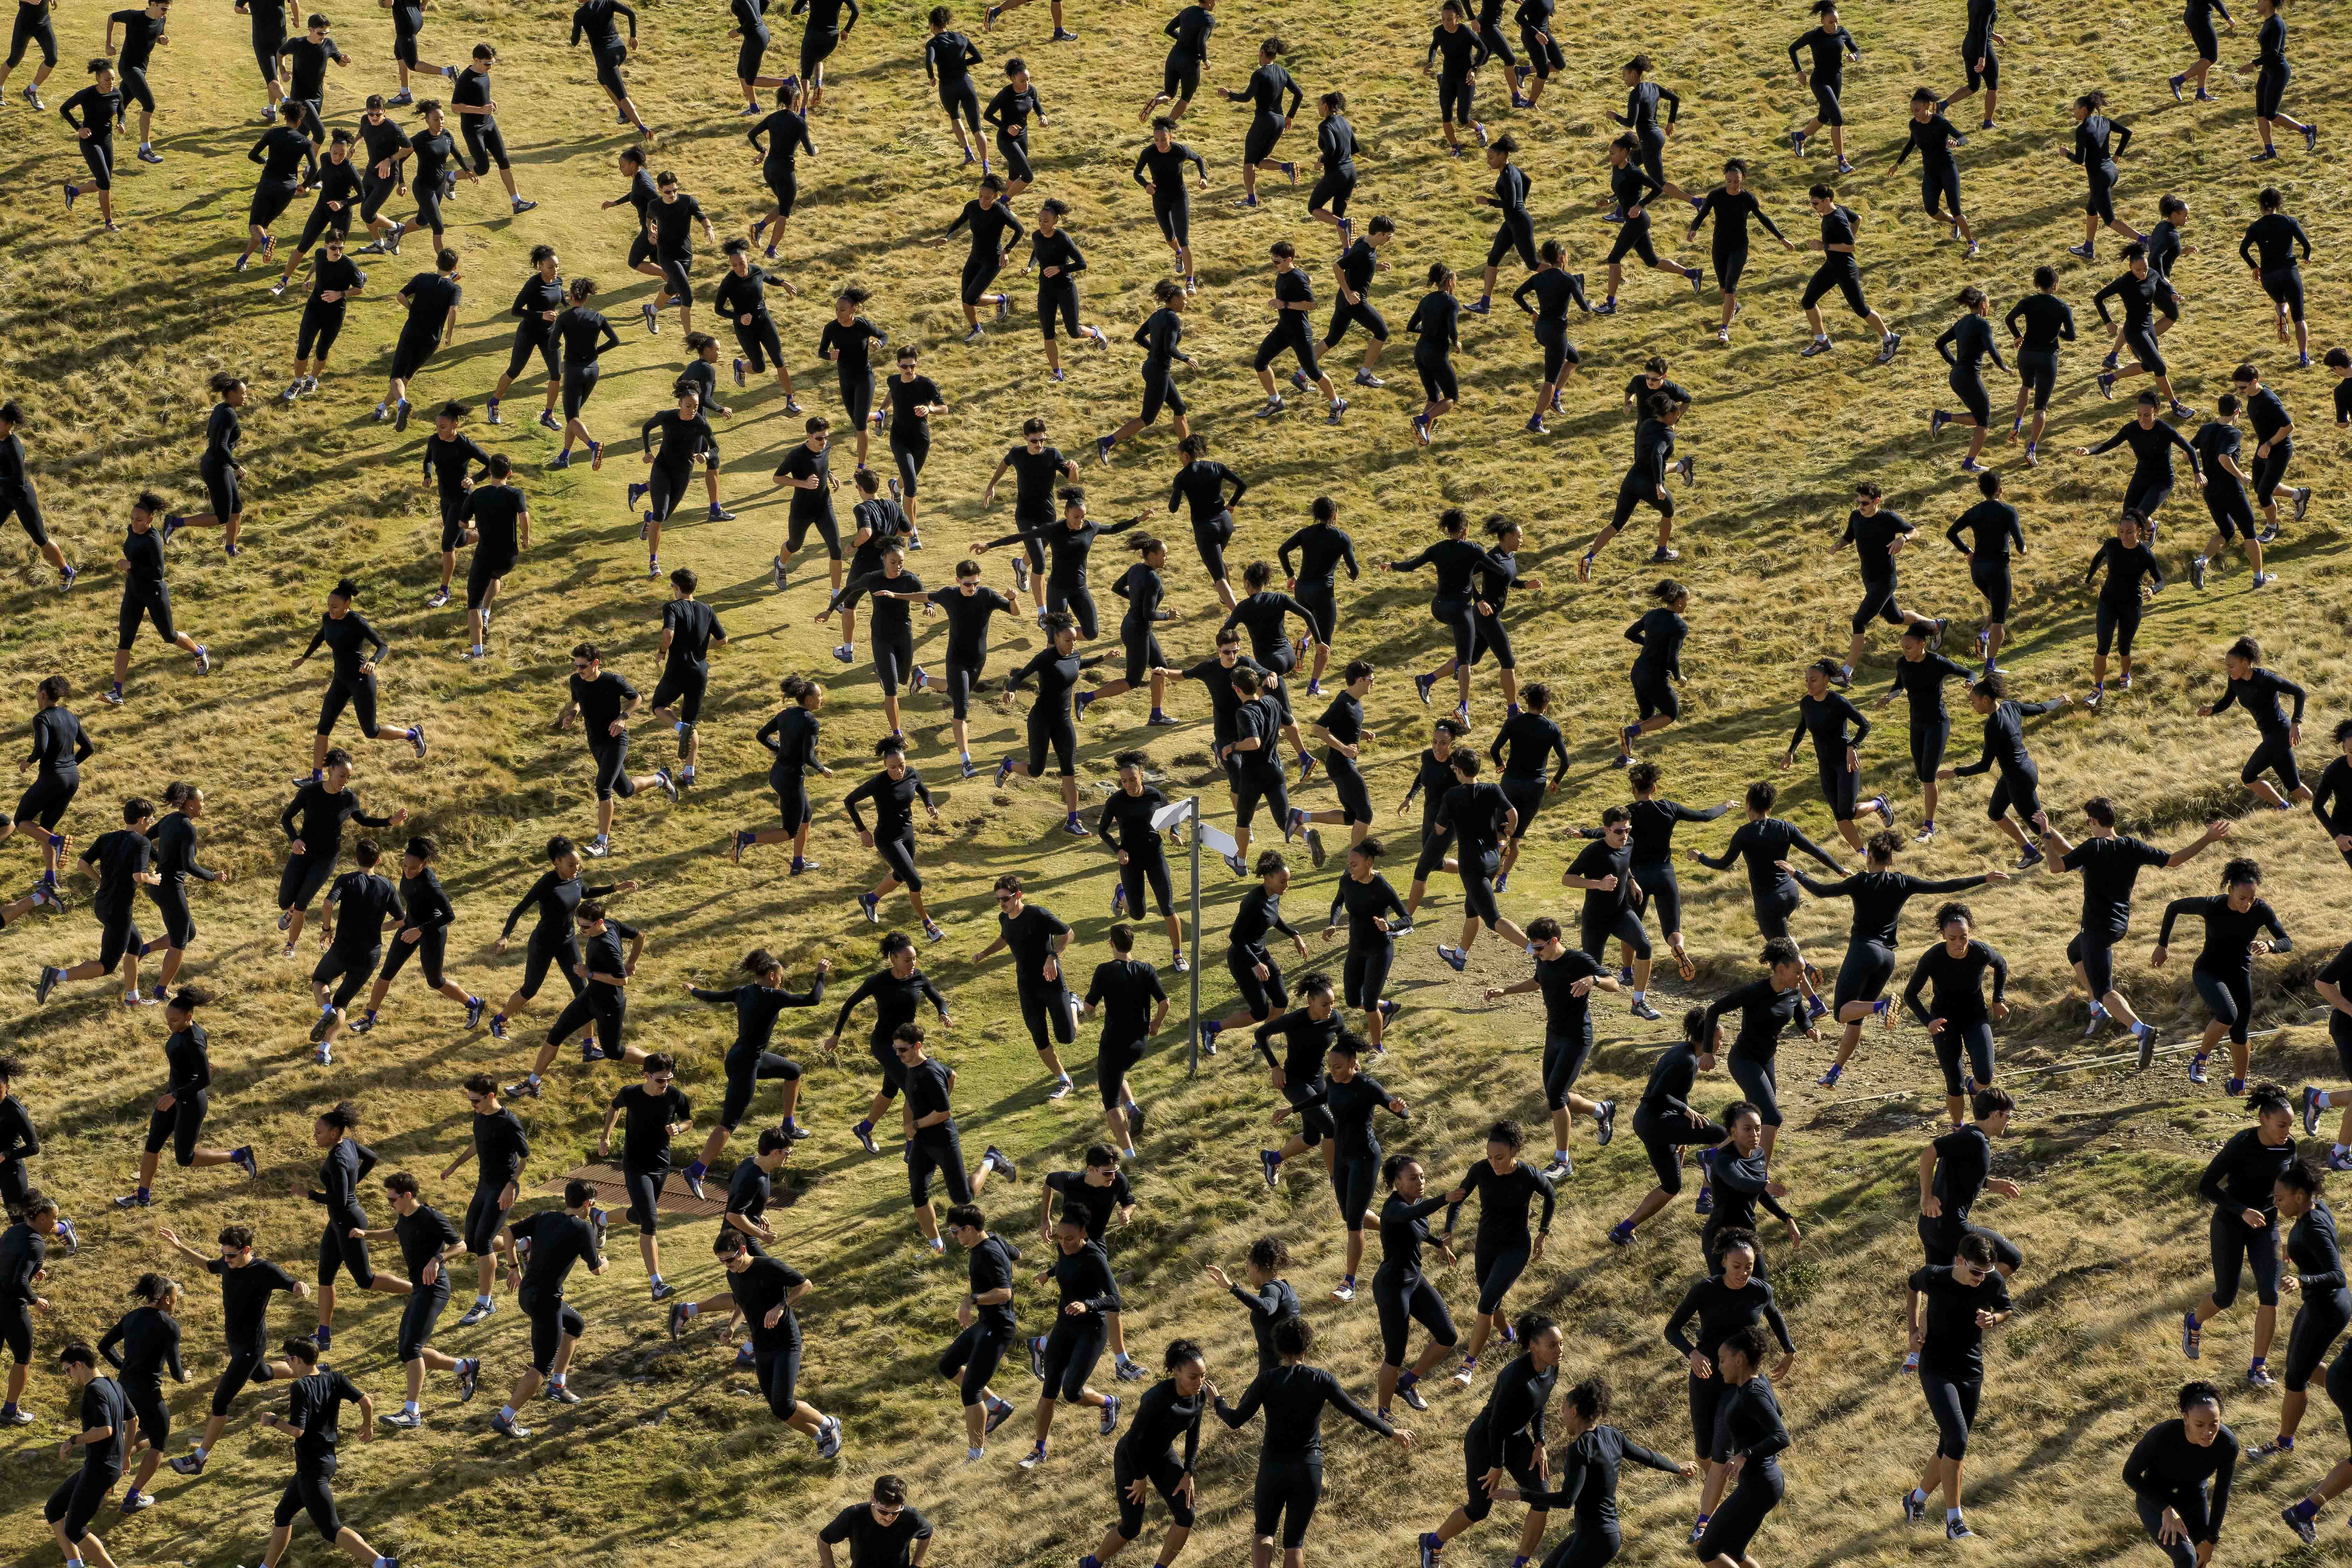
(109, 341)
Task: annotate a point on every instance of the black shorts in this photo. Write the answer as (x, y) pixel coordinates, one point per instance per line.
(46, 801)
(760, 343)
(792, 799)
(745, 1073)
(1515, 1455)
(26, 510)
(1438, 382)
(1143, 655)
(32, 28)
(797, 527)
(1632, 238)
(550, 1323)
(682, 689)
(1654, 695)
(1166, 1474)
(1515, 233)
(1543, 52)
(2116, 625)
(1046, 1010)
(1332, 188)
(117, 936)
(1283, 1502)
(1968, 386)
(419, 1312)
(17, 1331)
(2037, 370)
(975, 1356)
(1265, 131)
(1564, 1057)
(1825, 102)
(1929, 736)
(937, 1151)
(483, 142)
(220, 480)
(2269, 89)
(409, 355)
(579, 384)
(342, 1252)
(270, 200)
(1477, 873)
(1360, 314)
(431, 950)
(1663, 1140)
(645, 1190)
(145, 1398)
(349, 970)
(1052, 731)
(1454, 95)
(1262, 998)
(1758, 1085)
(561, 955)
(2233, 512)
(611, 757)
(910, 450)
(1974, 1039)
(78, 1498)
(483, 572)
(1666, 894)
(246, 1363)
(1975, 49)
(1498, 1267)
(980, 269)
(1348, 782)
(1400, 1305)
(1560, 356)
(1290, 335)
(485, 1216)
(1072, 1348)
(608, 63)
(134, 82)
(1149, 870)
(178, 1128)
(1841, 274)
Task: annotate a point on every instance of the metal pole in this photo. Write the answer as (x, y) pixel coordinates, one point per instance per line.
(1194, 804)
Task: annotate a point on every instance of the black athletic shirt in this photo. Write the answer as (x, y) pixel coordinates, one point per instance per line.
(1503, 1203)
(245, 1299)
(873, 1545)
(1950, 1341)
(1126, 988)
(2229, 934)
(1719, 1311)
(645, 1121)
(1958, 994)
(1764, 1015)
(1294, 1397)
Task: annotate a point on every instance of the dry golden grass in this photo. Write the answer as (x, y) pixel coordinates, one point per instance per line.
(110, 340)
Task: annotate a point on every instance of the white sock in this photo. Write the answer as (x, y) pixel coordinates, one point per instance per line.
(688, 1310)
(1560, 1155)
(409, 1405)
(481, 1299)
(1918, 1494)
(507, 1411)
(1951, 1514)
(2320, 1099)
(1639, 994)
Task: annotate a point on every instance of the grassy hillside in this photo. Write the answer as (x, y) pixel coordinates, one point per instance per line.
(110, 340)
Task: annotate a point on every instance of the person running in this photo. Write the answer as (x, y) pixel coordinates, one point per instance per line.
(144, 29)
(1464, 51)
(342, 1242)
(685, 440)
(1126, 828)
(556, 1239)
(1341, 729)
(993, 231)
(1145, 1460)
(350, 942)
(1751, 1434)
(356, 650)
(593, 20)
(1878, 893)
(1123, 990)
(1631, 186)
(2049, 321)
(496, 520)
(1963, 1299)
(897, 991)
(1274, 100)
(2224, 969)
(32, 1224)
(1143, 589)
(1401, 1293)
(1878, 535)
(2257, 690)
(669, 221)
(149, 1336)
(335, 280)
(60, 748)
(948, 59)
(17, 497)
(101, 107)
(427, 1242)
(2133, 580)
(884, 1533)
(2274, 447)
(2219, 447)
(914, 399)
(986, 1317)
(807, 471)
(1644, 483)
(556, 897)
(1840, 270)
(1035, 941)
(2316, 1270)
(2242, 1183)
(1436, 330)
(2199, 19)
(1335, 183)
(1965, 345)
(893, 793)
(1265, 996)
(104, 1412)
(1766, 843)
(430, 324)
(1066, 1355)
(33, 28)
(1555, 288)
(1376, 918)
(2332, 801)
(1732, 205)
(247, 1284)
(1293, 333)
(1455, 603)
(447, 457)
(657, 1111)
(584, 335)
(1010, 112)
(177, 1120)
(2271, 74)
(425, 915)
(1731, 1297)
(1566, 977)
(222, 474)
(934, 1145)
(1057, 667)
(1299, 1078)
(1481, 819)
(1351, 1096)
(2179, 1474)
(2110, 863)
(599, 1003)
(1956, 1017)
(119, 863)
(602, 700)
(845, 342)
(478, 121)
(2269, 249)
(1922, 672)
(1503, 1251)
(2004, 748)
(2098, 143)
(1992, 526)
(1506, 1440)
(821, 35)
(2142, 290)
(1290, 1463)
(749, 1062)
(1828, 45)
(790, 736)
(499, 1146)
(1767, 1006)
(1955, 1171)
(1933, 136)
(1826, 717)
(1037, 468)
(1070, 543)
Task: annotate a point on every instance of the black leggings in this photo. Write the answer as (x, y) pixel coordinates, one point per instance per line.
(975, 1357)
(1664, 1137)
(1952, 1402)
(1283, 1504)
(1402, 1304)
(2236, 1245)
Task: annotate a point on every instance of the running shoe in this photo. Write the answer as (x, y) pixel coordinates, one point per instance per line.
(2303, 495)
(399, 414)
(2311, 1110)
(1818, 346)
(2197, 1068)
(1454, 957)
(2293, 1513)
(828, 1439)
(2258, 1377)
(188, 1463)
(1562, 1167)
(653, 319)
(1621, 1234)
(1887, 345)
(1915, 1508)
(504, 1426)
(2175, 83)
(475, 1313)
(2030, 858)
(401, 1420)
(1270, 1164)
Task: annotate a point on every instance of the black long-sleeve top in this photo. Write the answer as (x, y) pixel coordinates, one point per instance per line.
(1951, 1341)
(423, 905)
(1641, 116)
(60, 746)
(1968, 342)
(2004, 740)
(2229, 934)
(344, 640)
(1752, 1417)
(1057, 675)
(594, 21)
(1161, 332)
(896, 1002)
(1516, 1404)
(1963, 1165)
(1462, 49)
(281, 150)
(1630, 186)
(1258, 912)
(1587, 1479)
(1924, 679)
(555, 898)
(2258, 692)
(894, 804)
(2170, 1471)
(792, 736)
(585, 335)
(2091, 147)
(1763, 842)
(98, 112)
(1659, 635)
(1826, 719)
(1475, 813)
(2048, 319)
(1270, 1306)
(1335, 146)
(1294, 1397)
(948, 58)
(150, 1338)
(1201, 486)
(1731, 214)
(2139, 298)
(1262, 616)
(1084, 1279)
(1166, 171)
(682, 441)
(1718, 1310)
(1742, 1184)
(1456, 560)
(1991, 527)
(1436, 325)
(756, 1007)
(994, 227)
(1879, 896)
(1269, 86)
(2311, 1248)
(1323, 548)
(2331, 800)
(1532, 739)
(2127, 568)
(1365, 902)
(339, 1175)
(1652, 838)
(223, 431)
(322, 814)
(1932, 138)
(1959, 983)
(1667, 1091)
(1161, 1416)
(1503, 1202)
(2274, 237)
(1404, 1231)
(1305, 1040)
(1828, 50)
(787, 137)
(187, 1063)
(1124, 824)
(1764, 1015)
